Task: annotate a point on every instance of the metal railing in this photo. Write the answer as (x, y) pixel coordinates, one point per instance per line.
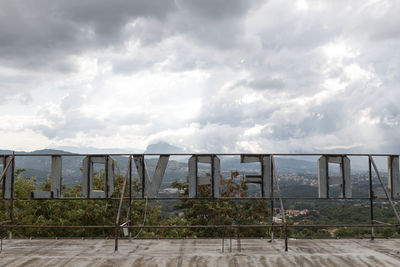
(9, 224)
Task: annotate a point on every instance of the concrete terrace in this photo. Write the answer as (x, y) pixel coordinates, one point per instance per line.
(199, 252)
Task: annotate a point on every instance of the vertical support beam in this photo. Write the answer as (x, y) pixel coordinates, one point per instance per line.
(130, 197)
(121, 200)
(56, 176)
(346, 176)
(326, 163)
(239, 246)
(323, 185)
(110, 176)
(143, 177)
(88, 180)
(272, 202)
(280, 202)
(212, 176)
(106, 176)
(215, 176)
(371, 199)
(394, 176)
(342, 173)
(8, 176)
(193, 176)
(12, 194)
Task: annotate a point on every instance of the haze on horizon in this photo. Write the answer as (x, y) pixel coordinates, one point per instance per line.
(216, 76)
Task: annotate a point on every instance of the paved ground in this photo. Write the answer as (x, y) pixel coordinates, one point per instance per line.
(199, 252)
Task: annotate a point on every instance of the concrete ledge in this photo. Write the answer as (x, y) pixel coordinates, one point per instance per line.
(199, 252)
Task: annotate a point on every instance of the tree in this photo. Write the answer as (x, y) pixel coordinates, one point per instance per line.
(223, 212)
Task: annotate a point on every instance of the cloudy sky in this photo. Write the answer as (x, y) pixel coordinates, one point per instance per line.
(210, 75)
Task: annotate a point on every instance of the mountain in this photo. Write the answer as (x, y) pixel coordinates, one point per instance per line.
(163, 148)
(94, 150)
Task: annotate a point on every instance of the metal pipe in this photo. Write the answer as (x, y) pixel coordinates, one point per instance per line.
(272, 200)
(143, 177)
(191, 154)
(3, 174)
(281, 203)
(195, 226)
(130, 196)
(11, 207)
(201, 198)
(371, 197)
(119, 208)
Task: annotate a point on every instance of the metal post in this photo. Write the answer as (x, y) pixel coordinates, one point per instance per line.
(12, 193)
(239, 246)
(89, 184)
(212, 176)
(230, 240)
(327, 175)
(106, 177)
(371, 197)
(272, 201)
(119, 209)
(223, 241)
(143, 176)
(197, 176)
(286, 237)
(130, 197)
(343, 179)
(281, 202)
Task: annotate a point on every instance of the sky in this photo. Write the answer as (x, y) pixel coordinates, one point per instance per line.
(207, 76)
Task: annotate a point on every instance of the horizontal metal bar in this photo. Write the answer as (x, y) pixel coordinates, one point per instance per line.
(4, 222)
(195, 226)
(190, 154)
(205, 198)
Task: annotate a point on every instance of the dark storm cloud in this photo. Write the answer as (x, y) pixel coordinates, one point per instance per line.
(45, 33)
(294, 75)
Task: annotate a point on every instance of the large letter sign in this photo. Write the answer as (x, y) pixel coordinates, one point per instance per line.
(195, 179)
(265, 178)
(394, 176)
(324, 181)
(8, 180)
(55, 181)
(87, 178)
(151, 187)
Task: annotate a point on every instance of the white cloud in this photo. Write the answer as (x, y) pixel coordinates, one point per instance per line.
(254, 76)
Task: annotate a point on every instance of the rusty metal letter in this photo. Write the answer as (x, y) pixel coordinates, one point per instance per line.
(265, 178)
(394, 176)
(195, 179)
(87, 177)
(152, 186)
(324, 180)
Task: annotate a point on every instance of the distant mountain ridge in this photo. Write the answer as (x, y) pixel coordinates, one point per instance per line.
(162, 147)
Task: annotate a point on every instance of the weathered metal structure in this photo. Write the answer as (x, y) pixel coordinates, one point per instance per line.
(267, 179)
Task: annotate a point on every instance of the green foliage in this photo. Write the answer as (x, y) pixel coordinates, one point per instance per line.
(68, 212)
(182, 212)
(223, 212)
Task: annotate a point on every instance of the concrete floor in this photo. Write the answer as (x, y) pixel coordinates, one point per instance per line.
(199, 252)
